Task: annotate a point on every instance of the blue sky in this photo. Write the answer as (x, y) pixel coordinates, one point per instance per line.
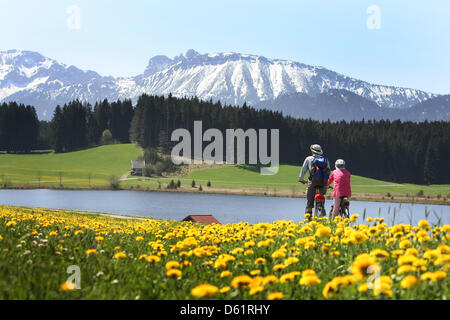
(410, 49)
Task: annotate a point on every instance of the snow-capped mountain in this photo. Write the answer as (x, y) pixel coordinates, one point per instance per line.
(233, 78)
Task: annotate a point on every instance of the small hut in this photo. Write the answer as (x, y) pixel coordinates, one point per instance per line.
(137, 167)
(202, 218)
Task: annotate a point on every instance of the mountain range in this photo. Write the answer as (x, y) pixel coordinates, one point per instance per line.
(294, 88)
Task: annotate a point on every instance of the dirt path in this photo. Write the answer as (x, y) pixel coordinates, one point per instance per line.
(124, 176)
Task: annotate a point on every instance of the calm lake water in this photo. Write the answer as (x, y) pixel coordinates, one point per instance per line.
(226, 208)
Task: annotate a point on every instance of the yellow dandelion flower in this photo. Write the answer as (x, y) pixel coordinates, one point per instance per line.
(12, 223)
(275, 295)
(173, 273)
(278, 267)
(204, 290)
(91, 251)
(404, 244)
(363, 266)
(241, 281)
(172, 265)
(270, 279)
(363, 287)
(120, 255)
(309, 280)
(255, 290)
(255, 272)
(248, 252)
(406, 269)
(67, 286)
(380, 254)
(225, 274)
(153, 259)
(439, 275)
(424, 224)
(409, 281)
(329, 289)
(323, 232)
(224, 289)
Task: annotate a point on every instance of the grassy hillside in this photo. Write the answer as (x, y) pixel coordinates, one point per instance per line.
(100, 163)
(287, 177)
(44, 168)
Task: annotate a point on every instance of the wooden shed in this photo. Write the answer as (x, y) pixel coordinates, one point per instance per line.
(202, 218)
(137, 167)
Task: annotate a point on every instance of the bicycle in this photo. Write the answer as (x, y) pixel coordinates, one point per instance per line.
(344, 209)
(319, 204)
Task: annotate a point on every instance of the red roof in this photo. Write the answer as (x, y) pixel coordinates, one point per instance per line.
(202, 218)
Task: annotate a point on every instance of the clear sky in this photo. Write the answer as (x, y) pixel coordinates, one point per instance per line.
(402, 42)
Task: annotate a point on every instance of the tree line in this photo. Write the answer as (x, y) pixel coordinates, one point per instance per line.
(19, 127)
(77, 125)
(393, 151)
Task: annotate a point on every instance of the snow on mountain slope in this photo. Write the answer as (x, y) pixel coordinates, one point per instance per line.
(232, 78)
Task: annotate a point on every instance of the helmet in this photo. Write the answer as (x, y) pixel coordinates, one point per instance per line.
(340, 164)
(317, 149)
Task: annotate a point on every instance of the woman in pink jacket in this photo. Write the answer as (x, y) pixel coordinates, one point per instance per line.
(341, 179)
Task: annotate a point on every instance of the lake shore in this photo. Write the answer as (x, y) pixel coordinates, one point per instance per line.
(297, 193)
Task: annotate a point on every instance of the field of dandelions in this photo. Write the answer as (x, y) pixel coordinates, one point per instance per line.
(42, 249)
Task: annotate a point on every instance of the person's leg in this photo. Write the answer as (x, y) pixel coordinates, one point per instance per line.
(323, 190)
(336, 206)
(310, 192)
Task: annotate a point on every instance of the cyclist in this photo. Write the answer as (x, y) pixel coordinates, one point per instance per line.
(318, 168)
(342, 188)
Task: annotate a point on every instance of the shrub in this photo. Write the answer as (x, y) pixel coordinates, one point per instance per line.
(193, 184)
(151, 156)
(171, 185)
(208, 184)
(178, 183)
(149, 170)
(420, 193)
(114, 182)
(106, 137)
(200, 189)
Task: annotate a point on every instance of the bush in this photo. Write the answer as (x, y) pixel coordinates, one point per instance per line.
(200, 189)
(178, 183)
(151, 156)
(420, 193)
(193, 184)
(148, 170)
(159, 168)
(106, 137)
(171, 185)
(208, 184)
(114, 182)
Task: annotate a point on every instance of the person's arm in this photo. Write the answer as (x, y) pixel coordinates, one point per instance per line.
(305, 168)
(331, 179)
(350, 183)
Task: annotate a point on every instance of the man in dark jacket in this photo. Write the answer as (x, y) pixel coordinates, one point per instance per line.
(316, 179)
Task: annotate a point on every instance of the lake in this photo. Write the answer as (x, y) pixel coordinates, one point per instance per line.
(226, 208)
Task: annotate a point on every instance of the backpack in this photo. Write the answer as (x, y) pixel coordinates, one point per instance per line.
(319, 169)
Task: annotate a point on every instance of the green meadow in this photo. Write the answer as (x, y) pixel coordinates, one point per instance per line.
(93, 167)
(82, 168)
(287, 178)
